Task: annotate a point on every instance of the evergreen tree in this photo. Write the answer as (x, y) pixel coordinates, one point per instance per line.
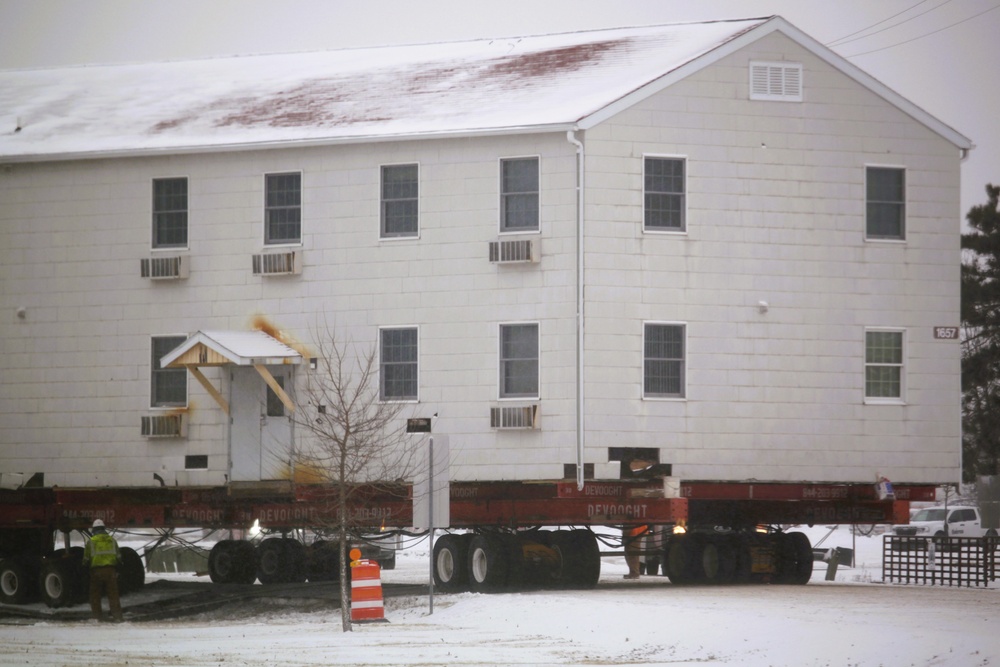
(981, 342)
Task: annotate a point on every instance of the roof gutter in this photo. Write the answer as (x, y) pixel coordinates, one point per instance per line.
(580, 155)
(66, 156)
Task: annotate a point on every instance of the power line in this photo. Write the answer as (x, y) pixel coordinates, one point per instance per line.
(933, 32)
(888, 18)
(888, 27)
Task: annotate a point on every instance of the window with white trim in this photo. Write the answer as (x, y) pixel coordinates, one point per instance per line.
(663, 360)
(663, 194)
(168, 386)
(776, 81)
(518, 361)
(885, 203)
(884, 357)
(399, 200)
(170, 212)
(283, 208)
(398, 364)
(519, 194)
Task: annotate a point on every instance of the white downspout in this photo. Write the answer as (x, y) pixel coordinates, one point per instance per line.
(580, 155)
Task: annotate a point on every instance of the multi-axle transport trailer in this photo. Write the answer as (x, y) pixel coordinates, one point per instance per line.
(508, 534)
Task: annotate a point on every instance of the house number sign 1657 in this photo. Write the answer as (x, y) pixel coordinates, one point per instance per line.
(947, 333)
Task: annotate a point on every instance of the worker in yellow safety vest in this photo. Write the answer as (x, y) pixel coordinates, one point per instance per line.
(103, 557)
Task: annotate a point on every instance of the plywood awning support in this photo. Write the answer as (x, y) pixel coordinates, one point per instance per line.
(275, 387)
(209, 387)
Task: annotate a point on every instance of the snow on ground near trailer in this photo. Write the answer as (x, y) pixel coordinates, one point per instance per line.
(851, 621)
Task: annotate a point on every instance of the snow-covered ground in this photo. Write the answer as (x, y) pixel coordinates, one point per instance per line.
(853, 620)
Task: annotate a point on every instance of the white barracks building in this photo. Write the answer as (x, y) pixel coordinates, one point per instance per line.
(715, 246)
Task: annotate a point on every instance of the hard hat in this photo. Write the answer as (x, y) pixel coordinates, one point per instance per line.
(98, 523)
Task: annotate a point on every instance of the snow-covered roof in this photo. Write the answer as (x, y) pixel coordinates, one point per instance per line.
(242, 348)
(529, 84)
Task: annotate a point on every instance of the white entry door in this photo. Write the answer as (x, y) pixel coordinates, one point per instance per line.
(260, 440)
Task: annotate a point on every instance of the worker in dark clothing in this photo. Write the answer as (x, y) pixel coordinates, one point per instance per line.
(102, 556)
(632, 540)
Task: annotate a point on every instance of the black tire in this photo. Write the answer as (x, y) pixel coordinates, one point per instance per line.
(517, 573)
(718, 561)
(568, 561)
(451, 563)
(795, 559)
(323, 561)
(280, 561)
(683, 559)
(131, 573)
(487, 564)
(588, 572)
(17, 581)
(743, 560)
(232, 562)
(61, 582)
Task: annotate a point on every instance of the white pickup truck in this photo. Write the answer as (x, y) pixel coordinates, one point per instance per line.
(955, 521)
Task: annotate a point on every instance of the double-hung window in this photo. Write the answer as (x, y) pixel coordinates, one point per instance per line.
(170, 212)
(519, 195)
(518, 361)
(664, 194)
(168, 386)
(884, 366)
(663, 361)
(283, 209)
(885, 203)
(398, 364)
(399, 200)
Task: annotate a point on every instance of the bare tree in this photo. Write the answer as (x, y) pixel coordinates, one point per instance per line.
(356, 443)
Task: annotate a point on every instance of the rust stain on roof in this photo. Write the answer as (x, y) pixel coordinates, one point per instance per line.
(551, 61)
(383, 95)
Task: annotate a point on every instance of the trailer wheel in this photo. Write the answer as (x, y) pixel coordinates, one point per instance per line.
(132, 574)
(16, 581)
(323, 561)
(487, 564)
(232, 562)
(565, 572)
(280, 561)
(589, 570)
(61, 582)
(451, 561)
(718, 561)
(681, 559)
(795, 559)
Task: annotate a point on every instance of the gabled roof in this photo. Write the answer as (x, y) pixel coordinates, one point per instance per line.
(530, 84)
(242, 348)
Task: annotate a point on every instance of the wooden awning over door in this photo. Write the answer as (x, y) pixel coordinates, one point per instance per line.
(233, 348)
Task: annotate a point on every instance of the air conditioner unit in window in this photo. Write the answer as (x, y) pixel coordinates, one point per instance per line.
(164, 268)
(520, 417)
(277, 264)
(163, 426)
(514, 251)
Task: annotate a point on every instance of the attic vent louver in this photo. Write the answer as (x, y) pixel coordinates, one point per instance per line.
(163, 268)
(522, 417)
(780, 82)
(277, 264)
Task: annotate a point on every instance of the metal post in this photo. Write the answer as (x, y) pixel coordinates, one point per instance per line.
(430, 521)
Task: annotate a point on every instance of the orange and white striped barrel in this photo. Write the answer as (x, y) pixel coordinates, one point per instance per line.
(366, 591)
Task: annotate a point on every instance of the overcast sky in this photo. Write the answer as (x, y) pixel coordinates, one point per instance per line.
(943, 55)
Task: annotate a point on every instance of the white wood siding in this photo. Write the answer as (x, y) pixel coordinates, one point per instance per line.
(776, 213)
